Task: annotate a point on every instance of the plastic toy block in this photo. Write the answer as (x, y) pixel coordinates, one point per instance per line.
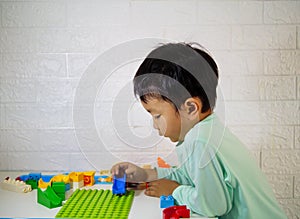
(104, 172)
(147, 166)
(104, 179)
(161, 163)
(176, 212)
(61, 178)
(15, 185)
(42, 184)
(22, 178)
(76, 180)
(34, 176)
(68, 186)
(166, 201)
(76, 176)
(33, 183)
(48, 198)
(77, 185)
(97, 204)
(59, 187)
(47, 178)
(119, 185)
(88, 178)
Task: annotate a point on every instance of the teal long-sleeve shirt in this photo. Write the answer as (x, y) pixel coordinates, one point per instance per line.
(218, 177)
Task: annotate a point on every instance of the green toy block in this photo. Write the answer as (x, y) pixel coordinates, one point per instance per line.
(97, 204)
(33, 183)
(48, 198)
(59, 187)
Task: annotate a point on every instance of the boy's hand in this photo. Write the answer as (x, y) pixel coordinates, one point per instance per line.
(133, 172)
(161, 187)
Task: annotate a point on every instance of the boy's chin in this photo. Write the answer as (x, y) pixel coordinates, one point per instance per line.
(173, 139)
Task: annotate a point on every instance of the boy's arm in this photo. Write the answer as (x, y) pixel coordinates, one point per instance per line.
(210, 195)
(172, 173)
(151, 175)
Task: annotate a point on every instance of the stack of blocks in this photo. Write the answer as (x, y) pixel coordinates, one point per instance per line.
(76, 180)
(33, 179)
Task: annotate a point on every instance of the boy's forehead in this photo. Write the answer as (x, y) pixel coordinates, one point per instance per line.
(153, 104)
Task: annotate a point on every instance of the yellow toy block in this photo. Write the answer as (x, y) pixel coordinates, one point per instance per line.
(76, 176)
(104, 172)
(61, 178)
(76, 180)
(43, 185)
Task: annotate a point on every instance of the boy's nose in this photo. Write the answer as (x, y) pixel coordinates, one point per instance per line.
(155, 125)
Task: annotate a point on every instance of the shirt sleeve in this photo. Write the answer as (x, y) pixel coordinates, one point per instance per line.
(173, 173)
(211, 192)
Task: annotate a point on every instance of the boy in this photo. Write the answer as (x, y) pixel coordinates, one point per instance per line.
(216, 177)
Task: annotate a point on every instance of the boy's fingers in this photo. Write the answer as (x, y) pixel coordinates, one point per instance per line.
(151, 192)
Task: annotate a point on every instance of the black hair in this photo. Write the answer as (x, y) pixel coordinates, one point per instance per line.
(175, 72)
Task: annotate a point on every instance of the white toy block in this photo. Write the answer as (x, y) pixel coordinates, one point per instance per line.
(77, 185)
(15, 186)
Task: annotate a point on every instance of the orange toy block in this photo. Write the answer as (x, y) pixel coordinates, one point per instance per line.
(161, 163)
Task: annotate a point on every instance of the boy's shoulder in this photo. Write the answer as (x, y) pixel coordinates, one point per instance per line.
(209, 132)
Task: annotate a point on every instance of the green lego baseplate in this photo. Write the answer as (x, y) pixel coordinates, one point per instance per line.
(97, 204)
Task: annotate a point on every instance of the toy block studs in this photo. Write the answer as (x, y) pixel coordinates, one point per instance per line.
(15, 185)
(166, 201)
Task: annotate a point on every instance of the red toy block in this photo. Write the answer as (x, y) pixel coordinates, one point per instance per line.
(176, 212)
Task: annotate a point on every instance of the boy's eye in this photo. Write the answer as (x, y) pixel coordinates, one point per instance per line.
(157, 116)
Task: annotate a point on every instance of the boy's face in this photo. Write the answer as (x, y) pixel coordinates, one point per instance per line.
(165, 118)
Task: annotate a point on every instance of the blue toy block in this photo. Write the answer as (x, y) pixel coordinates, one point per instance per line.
(68, 186)
(23, 178)
(119, 185)
(166, 201)
(35, 176)
(47, 178)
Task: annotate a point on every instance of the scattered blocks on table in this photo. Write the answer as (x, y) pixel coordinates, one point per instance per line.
(119, 185)
(97, 204)
(15, 185)
(166, 201)
(176, 212)
(48, 198)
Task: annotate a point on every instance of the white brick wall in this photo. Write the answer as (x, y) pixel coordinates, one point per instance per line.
(46, 46)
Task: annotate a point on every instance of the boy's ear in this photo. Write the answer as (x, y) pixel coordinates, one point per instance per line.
(192, 106)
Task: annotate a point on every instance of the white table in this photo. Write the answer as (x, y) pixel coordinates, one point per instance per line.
(13, 204)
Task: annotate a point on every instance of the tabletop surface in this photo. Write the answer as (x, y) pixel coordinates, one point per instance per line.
(14, 204)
